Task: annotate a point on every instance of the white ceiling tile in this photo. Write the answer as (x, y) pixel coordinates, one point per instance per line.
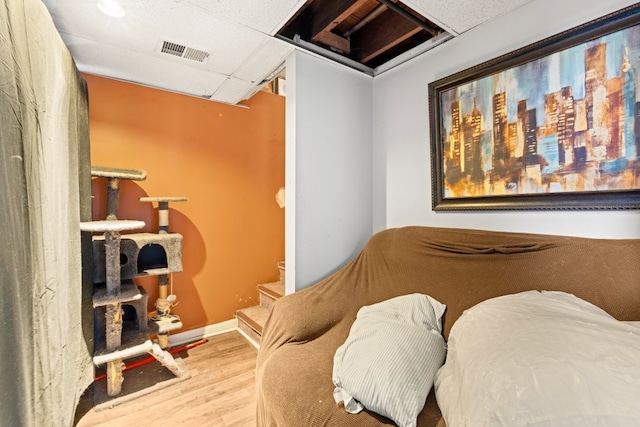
(148, 70)
(461, 15)
(264, 61)
(262, 15)
(236, 35)
(147, 22)
(232, 91)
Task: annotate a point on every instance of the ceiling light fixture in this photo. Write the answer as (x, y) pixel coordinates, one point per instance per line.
(111, 8)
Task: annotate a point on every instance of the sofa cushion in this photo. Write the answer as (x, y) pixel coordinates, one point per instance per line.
(543, 359)
(388, 362)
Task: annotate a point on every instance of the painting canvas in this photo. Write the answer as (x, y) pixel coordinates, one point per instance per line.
(560, 128)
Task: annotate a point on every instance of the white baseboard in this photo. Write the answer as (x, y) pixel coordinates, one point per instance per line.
(204, 332)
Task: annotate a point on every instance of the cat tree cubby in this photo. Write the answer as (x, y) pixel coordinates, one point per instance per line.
(122, 327)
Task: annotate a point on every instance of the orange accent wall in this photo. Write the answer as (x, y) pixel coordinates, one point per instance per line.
(228, 161)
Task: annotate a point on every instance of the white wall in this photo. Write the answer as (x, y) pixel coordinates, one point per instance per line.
(401, 159)
(328, 167)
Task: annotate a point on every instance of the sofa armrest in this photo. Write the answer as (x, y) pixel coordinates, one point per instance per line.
(303, 316)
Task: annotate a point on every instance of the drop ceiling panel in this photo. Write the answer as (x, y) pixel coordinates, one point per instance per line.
(260, 64)
(266, 16)
(233, 90)
(148, 22)
(462, 15)
(118, 63)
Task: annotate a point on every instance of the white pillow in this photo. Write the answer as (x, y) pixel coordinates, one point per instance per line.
(390, 357)
(540, 359)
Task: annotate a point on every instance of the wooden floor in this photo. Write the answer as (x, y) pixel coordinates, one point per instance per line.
(220, 392)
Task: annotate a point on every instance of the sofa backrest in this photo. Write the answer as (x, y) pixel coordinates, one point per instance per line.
(461, 268)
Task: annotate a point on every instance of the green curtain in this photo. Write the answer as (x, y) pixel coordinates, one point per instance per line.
(45, 318)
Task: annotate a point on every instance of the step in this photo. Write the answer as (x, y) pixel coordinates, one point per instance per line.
(281, 269)
(269, 293)
(251, 320)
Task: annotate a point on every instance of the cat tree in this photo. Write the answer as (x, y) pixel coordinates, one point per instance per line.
(117, 260)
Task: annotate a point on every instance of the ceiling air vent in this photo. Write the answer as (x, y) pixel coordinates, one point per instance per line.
(183, 51)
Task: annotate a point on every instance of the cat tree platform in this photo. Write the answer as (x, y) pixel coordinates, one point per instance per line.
(118, 173)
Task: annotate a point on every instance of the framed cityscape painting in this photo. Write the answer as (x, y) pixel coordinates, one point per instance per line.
(554, 125)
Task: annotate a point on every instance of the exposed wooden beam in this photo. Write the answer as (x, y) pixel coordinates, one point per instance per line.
(328, 38)
(407, 15)
(380, 35)
(329, 13)
(365, 20)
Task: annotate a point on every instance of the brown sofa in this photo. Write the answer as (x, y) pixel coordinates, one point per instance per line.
(459, 268)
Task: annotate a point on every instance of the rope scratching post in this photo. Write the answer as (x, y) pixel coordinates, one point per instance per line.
(164, 320)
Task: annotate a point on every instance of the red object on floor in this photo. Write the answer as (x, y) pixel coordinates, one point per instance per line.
(150, 359)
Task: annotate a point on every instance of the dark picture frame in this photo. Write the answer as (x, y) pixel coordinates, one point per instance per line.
(554, 125)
